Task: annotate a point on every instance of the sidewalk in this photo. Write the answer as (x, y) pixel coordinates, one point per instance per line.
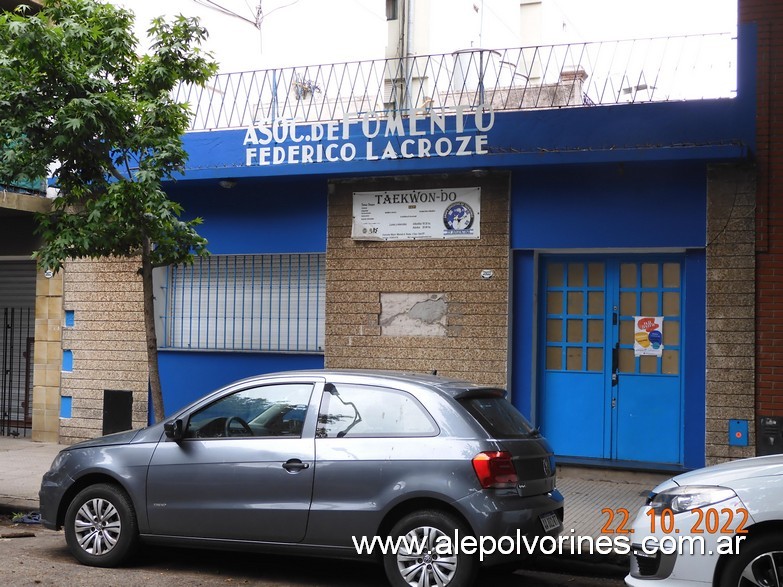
(594, 499)
(588, 492)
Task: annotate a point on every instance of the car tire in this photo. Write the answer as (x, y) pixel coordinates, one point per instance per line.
(408, 567)
(760, 557)
(100, 526)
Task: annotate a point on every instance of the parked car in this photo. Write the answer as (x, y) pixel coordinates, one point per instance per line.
(720, 526)
(313, 463)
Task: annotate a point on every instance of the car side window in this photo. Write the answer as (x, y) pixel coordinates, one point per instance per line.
(269, 410)
(364, 411)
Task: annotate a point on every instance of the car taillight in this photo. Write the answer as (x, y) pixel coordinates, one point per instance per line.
(495, 469)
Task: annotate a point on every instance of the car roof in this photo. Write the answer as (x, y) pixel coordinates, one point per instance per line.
(449, 385)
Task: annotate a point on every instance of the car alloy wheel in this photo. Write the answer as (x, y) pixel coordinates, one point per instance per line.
(766, 570)
(426, 555)
(421, 563)
(100, 526)
(759, 563)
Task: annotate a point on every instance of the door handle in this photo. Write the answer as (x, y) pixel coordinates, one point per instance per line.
(615, 363)
(295, 465)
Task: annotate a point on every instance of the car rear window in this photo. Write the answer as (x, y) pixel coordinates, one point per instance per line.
(498, 417)
(366, 411)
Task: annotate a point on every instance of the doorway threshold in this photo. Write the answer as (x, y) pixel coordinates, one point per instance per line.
(616, 465)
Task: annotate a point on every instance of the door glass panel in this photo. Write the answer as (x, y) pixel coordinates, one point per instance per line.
(555, 275)
(575, 331)
(554, 358)
(554, 302)
(671, 275)
(576, 275)
(671, 303)
(649, 303)
(595, 275)
(554, 330)
(650, 275)
(595, 331)
(575, 315)
(671, 333)
(648, 364)
(595, 359)
(626, 362)
(628, 303)
(576, 302)
(574, 359)
(626, 332)
(649, 289)
(595, 302)
(628, 275)
(670, 362)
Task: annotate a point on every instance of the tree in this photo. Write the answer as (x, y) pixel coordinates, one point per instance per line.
(77, 99)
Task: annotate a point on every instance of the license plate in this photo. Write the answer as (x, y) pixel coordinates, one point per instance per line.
(550, 521)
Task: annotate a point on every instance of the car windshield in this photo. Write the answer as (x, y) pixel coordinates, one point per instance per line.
(498, 417)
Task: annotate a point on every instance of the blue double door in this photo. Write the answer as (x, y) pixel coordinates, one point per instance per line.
(608, 388)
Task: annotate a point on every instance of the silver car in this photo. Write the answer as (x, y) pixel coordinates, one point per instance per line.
(432, 476)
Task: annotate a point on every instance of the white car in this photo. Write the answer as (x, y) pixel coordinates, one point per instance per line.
(721, 526)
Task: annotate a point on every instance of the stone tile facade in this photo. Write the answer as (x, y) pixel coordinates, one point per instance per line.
(107, 343)
(730, 309)
(473, 310)
(47, 357)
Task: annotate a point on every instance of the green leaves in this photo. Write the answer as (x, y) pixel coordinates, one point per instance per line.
(73, 123)
(76, 97)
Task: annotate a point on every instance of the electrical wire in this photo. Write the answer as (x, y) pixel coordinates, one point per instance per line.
(222, 9)
(257, 12)
(262, 16)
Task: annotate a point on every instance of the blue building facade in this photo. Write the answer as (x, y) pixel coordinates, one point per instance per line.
(605, 215)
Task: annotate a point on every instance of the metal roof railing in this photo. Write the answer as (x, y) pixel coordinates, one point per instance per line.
(663, 69)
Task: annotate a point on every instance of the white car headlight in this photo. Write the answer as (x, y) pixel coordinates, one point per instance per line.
(689, 497)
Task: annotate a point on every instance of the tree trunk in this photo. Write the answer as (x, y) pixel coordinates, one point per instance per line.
(156, 391)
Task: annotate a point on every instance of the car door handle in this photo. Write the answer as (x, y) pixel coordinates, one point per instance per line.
(295, 465)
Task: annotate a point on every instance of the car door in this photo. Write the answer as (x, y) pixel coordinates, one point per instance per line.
(242, 471)
(373, 444)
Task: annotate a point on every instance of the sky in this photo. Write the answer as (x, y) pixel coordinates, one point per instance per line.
(311, 32)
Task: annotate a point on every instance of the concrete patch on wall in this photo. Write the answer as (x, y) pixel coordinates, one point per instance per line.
(413, 314)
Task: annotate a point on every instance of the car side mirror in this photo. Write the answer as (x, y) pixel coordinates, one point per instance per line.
(173, 429)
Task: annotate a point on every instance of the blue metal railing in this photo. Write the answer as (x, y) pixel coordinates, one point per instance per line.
(555, 76)
(36, 187)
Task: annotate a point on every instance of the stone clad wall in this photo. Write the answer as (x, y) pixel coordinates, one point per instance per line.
(106, 341)
(47, 357)
(730, 309)
(420, 305)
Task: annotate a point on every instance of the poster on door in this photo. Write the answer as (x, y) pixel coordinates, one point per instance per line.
(648, 336)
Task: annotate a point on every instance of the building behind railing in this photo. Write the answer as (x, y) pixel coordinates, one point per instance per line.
(582, 74)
